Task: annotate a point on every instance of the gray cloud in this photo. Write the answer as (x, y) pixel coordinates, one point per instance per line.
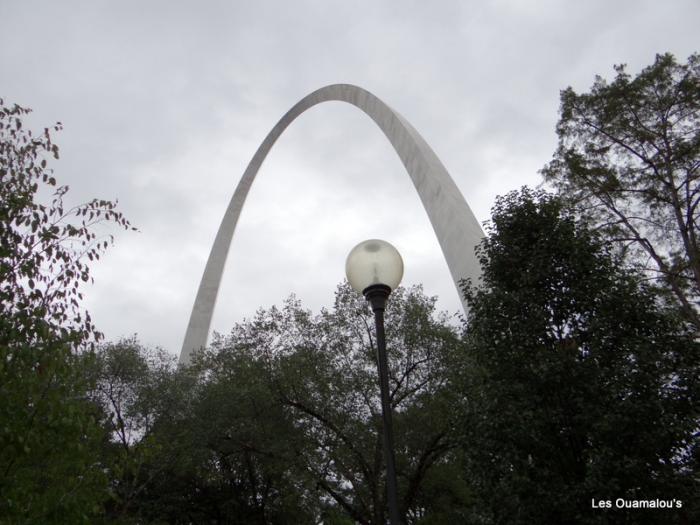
(164, 104)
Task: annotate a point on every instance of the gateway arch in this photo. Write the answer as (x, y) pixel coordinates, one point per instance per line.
(455, 226)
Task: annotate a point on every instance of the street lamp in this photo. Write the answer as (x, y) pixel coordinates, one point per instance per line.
(374, 268)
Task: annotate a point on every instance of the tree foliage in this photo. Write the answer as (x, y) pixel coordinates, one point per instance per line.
(133, 386)
(576, 385)
(281, 421)
(48, 467)
(629, 159)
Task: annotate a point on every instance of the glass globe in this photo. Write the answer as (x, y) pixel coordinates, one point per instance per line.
(374, 262)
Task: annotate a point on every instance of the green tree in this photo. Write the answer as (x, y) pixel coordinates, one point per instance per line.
(330, 383)
(49, 470)
(133, 387)
(246, 443)
(210, 443)
(576, 384)
(282, 424)
(629, 160)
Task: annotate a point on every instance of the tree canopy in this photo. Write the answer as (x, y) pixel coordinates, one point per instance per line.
(629, 160)
(49, 472)
(281, 422)
(576, 385)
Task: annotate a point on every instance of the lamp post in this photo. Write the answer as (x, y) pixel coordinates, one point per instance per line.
(374, 268)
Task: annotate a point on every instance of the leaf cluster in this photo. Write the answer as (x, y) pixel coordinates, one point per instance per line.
(279, 421)
(576, 384)
(49, 434)
(628, 160)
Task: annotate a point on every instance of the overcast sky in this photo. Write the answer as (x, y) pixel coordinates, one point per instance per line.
(165, 102)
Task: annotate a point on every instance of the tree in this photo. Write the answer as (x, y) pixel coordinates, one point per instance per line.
(329, 381)
(281, 421)
(133, 387)
(629, 160)
(246, 444)
(576, 384)
(49, 471)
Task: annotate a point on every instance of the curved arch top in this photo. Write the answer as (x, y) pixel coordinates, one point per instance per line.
(455, 226)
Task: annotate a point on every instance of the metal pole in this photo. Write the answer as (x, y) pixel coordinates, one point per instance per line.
(377, 296)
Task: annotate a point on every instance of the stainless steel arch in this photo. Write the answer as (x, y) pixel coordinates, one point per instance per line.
(455, 226)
